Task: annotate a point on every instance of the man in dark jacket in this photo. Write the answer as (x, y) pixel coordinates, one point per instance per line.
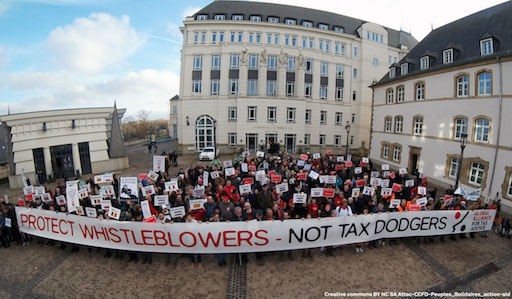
(266, 198)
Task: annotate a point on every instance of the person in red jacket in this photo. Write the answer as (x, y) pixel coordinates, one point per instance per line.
(230, 190)
(313, 208)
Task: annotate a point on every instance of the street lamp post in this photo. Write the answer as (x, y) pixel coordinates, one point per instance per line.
(347, 127)
(463, 142)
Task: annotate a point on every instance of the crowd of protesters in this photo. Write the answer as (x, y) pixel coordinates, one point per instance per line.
(225, 203)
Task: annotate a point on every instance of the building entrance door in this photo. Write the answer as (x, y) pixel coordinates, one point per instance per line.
(251, 142)
(39, 165)
(289, 141)
(414, 158)
(62, 161)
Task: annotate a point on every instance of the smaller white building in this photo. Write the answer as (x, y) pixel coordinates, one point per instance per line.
(48, 145)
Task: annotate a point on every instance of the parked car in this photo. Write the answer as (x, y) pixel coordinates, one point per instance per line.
(209, 153)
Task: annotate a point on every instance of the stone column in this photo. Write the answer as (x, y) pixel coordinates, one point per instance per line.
(299, 82)
(76, 158)
(48, 161)
(281, 75)
(262, 80)
(242, 79)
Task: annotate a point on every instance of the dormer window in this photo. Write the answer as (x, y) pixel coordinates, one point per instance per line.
(338, 29)
(273, 20)
(255, 18)
(220, 17)
(307, 24)
(424, 63)
(392, 72)
(323, 26)
(290, 21)
(201, 17)
(237, 17)
(404, 68)
(447, 56)
(486, 47)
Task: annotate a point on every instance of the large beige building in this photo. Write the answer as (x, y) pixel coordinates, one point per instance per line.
(49, 145)
(456, 81)
(253, 72)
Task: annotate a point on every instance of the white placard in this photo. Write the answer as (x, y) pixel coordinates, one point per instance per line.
(205, 178)
(229, 171)
(323, 179)
(300, 198)
(307, 166)
(158, 163)
(375, 182)
(148, 190)
(61, 199)
(422, 190)
(177, 212)
(422, 201)
(301, 163)
(198, 191)
(385, 166)
(356, 192)
(402, 170)
(340, 159)
(394, 203)
(106, 191)
(317, 192)
(368, 190)
(227, 163)
(374, 174)
(146, 211)
(316, 156)
(349, 158)
(245, 189)
(161, 200)
(384, 183)
(196, 204)
(244, 167)
(386, 191)
(105, 204)
(152, 175)
(409, 183)
(282, 188)
(114, 213)
(91, 212)
(260, 175)
(214, 174)
(358, 170)
(83, 193)
(260, 154)
(365, 160)
(39, 190)
(8, 222)
(313, 174)
(28, 190)
(128, 188)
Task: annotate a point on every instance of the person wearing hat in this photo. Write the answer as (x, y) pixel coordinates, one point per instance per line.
(266, 198)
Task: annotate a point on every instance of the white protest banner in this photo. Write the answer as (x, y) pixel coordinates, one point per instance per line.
(317, 192)
(229, 171)
(402, 170)
(105, 178)
(323, 179)
(244, 167)
(152, 176)
(161, 200)
(409, 183)
(198, 191)
(227, 163)
(422, 190)
(105, 204)
(384, 183)
(177, 212)
(385, 166)
(39, 190)
(148, 190)
(368, 191)
(300, 198)
(28, 190)
(214, 174)
(107, 190)
(91, 212)
(313, 174)
(128, 188)
(61, 200)
(114, 213)
(260, 154)
(394, 203)
(316, 156)
(282, 188)
(260, 175)
(159, 163)
(374, 174)
(146, 211)
(301, 163)
(386, 191)
(307, 166)
(469, 194)
(356, 192)
(339, 159)
(262, 236)
(196, 204)
(375, 182)
(422, 201)
(358, 170)
(72, 198)
(245, 189)
(331, 179)
(365, 160)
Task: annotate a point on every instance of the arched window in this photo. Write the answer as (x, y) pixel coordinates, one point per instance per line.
(388, 124)
(420, 91)
(482, 128)
(484, 83)
(417, 125)
(462, 86)
(389, 96)
(399, 124)
(205, 132)
(400, 94)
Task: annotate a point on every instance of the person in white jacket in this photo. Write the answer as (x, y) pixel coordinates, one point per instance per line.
(344, 209)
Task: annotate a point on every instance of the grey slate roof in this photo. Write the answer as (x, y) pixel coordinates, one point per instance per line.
(265, 10)
(463, 35)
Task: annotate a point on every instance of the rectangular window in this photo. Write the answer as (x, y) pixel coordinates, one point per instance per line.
(309, 66)
(389, 96)
(216, 62)
(321, 140)
(201, 17)
(311, 42)
(251, 113)
(307, 116)
(323, 92)
(273, 20)
(307, 90)
(271, 114)
(336, 48)
(271, 88)
(321, 44)
(396, 152)
(355, 51)
(339, 71)
(454, 167)
(233, 86)
(252, 89)
(256, 18)
(385, 150)
(399, 124)
(323, 26)
(323, 117)
(234, 60)
(338, 29)
(307, 139)
(355, 73)
(327, 46)
(486, 47)
(307, 24)
(232, 139)
(258, 37)
(420, 92)
(337, 140)
(232, 114)
(294, 41)
(251, 37)
(400, 94)
(290, 88)
(462, 86)
(339, 93)
(232, 36)
(482, 127)
(354, 95)
(276, 39)
(353, 117)
(203, 37)
(240, 36)
(196, 37)
(339, 118)
(290, 21)
(196, 86)
(424, 63)
(342, 49)
(272, 62)
(286, 40)
(174, 110)
(290, 67)
(290, 115)
(418, 126)
(304, 42)
(221, 36)
(404, 68)
(476, 174)
(388, 124)
(389, 59)
(324, 68)
(447, 56)
(214, 87)
(461, 127)
(484, 83)
(220, 17)
(253, 61)
(214, 37)
(237, 18)
(509, 192)
(198, 62)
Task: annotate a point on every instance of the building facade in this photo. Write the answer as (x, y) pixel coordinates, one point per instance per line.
(255, 72)
(173, 117)
(48, 145)
(454, 82)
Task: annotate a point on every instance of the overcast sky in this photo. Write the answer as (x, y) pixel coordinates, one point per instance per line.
(58, 54)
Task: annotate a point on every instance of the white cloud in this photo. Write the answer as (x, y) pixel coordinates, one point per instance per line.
(190, 11)
(89, 45)
(174, 31)
(3, 58)
(147, 89)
